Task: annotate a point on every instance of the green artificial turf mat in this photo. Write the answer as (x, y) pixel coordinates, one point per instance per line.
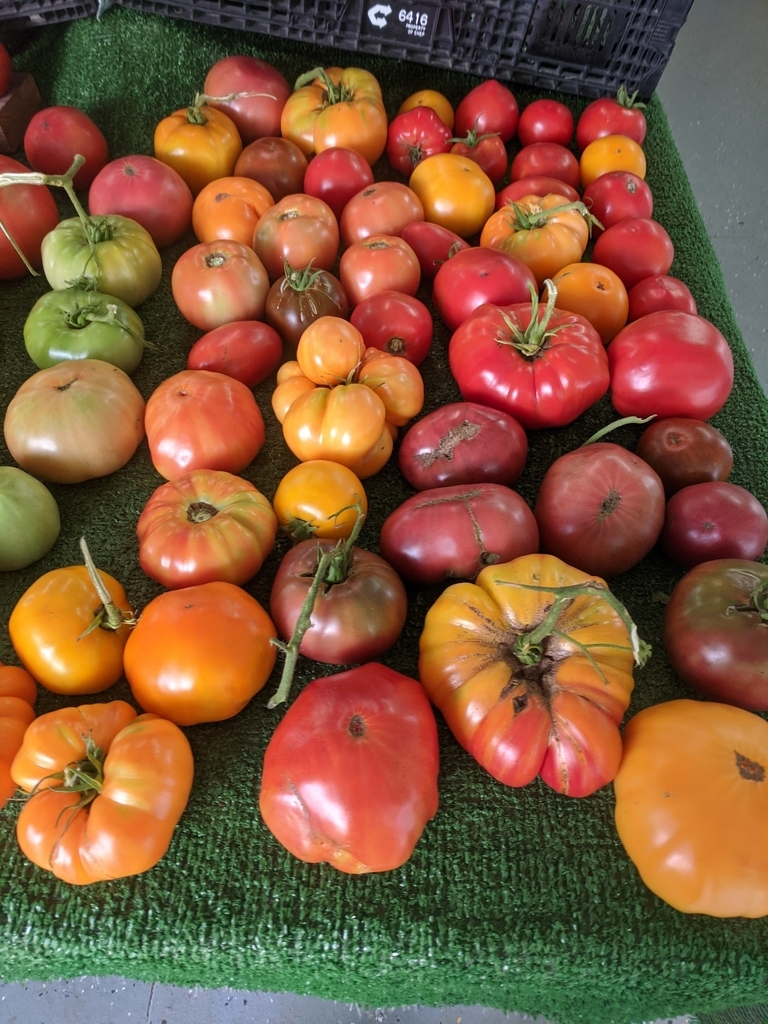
(517, 899)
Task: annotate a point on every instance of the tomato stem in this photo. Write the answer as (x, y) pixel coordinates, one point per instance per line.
(109, 616)
(300, 280)
(615, 425)
(530, 342)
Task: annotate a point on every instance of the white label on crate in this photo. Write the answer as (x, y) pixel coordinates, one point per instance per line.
(400, 22)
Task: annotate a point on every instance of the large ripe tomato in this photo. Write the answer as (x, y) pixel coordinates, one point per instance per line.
(350, 773)
(548, 159)
(300, 297)
(277, 164)
(690, 806)
(318, 499)
(635, 248)
(77, 420)
(200, 143)
(685, 451)
(611, 153)
(18, 693)
(653, 294)
(615, 196)
(395, 323)
(621, 116)
(198, 419)
(29, 213)
(216, 283)
(545, 120)
(451, 533)
(714, 631)
(379, 263)
(533, 678)
(247, 350)
(596, 293)
(229, 208)
(600, 508)
(206, 525)
(714, 519)
(335, 175)
(455, 193)
(384, 208)
(29, 519)
(115, 815)
(199, 654)
(414, 135)
(670, 364)
(250, 91)
(489, 107)
(433, 245)
(147, 191)
(56, 135)
(474, 277)
(299, 230)
(544, 367)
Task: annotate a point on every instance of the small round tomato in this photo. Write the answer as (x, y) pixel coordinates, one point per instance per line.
(277, 164)
(300, 297)
(611, 153)
(685, 451)
(488, 152)
(539, 185)
(229, 208)
(617, 196)
(396, 323)
(298, 230)
(414, 135)
(55, 135)
(383, 208)
(430, 98)
(634, 249)
(200, 143)
(379, 263)
(455, 193)
(247, 350)
(318, 499)
(215, 283)
(474, 277)
(596, 293)
(29, 519)
(489, 107)
(545, 121)
(335, 175)
(548, 159)
(653, 294)
(432, 244)
(715, 519)
(620, 116)
(330, 351)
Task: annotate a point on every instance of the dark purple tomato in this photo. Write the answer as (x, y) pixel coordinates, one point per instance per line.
(277, 164)
(712, 520)
(300, 297)
(684, 452)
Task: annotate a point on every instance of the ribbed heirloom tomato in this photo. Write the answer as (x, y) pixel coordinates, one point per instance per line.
(200, 143)
(18, 693)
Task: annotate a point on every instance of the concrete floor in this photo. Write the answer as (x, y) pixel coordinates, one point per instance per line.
(715, 92)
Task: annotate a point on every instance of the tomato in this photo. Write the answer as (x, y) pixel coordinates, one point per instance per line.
(611, 153)
(147, 191)
(634, 249)
(596, 293)
(330, 351)
(116, 816)
(615, 196)
(300, 297)
(74, 421)
(29, 519)
(376, 264)
(450, 533)
(229, 208)
(693, 771)
(200, 143)
(200, 654)
(488, 152)
(335, 175)
(714, 631)
(414, 135)
(606, 116)
(247, 350)
(199, 419)
(359, 616)
(350, 773)
(28, 213)
(489, 107)
(336, 107)
(69, 629)
(219, 282)
(18, 693)
(277, 164)
(543, 368)
(206, 525)
(316, 499)
(545, 121)
(670, 364)
(260, 92)
(432, 244)
(654, 294)
(384, 208)
(714, 519)
(532, 677)
(73, 323)
(548, 159)
(474, 277)
(685, 451)
(298, 230)
(6, 70)
(341, 424)
(538, 185)
(600, 508)
(463, 443)
(114, 255)
(433, 99)
(455, 193)
(395, 323)
(55, 135)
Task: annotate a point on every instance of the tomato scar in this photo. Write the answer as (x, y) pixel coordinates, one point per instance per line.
(748, 769)
(356, 726)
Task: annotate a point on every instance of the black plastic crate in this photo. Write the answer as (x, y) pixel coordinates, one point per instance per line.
(16, 15)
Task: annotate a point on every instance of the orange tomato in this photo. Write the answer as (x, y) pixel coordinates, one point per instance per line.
(18, 693)
(230, 208)
(340, 423)
(596, 293)
(455, 193)
(611, 153)
(378, 455)
(330, 350)
(434, 100)
(200, 143)
(117, 817)
(310, 497)
(286, 393)
(397, 382)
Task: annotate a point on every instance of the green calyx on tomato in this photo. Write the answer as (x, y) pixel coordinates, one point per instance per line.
(529, 218)
(629, 100)
(340, 93)
(530, 342)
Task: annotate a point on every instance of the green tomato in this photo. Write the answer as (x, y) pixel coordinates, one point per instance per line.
(113, 254)
(29, 519)
(77, 324)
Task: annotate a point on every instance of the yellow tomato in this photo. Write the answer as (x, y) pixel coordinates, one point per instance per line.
(310, 497)
(434, 100)
(200, 143)
(611, 153)
(596, 293)
(455, 193)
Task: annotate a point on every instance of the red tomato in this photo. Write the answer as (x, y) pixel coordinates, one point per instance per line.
(473, 277)
(260, 94)
(600, 508)
(634, 249)
(615, 196)
(396, 323)
(548, 159)
(715, 519)
(350, 773)
(146, 190)
(433, 245)
(538, 185)
(6, 70)
(545, 121)
(206, 525)
(670, 364)
(653, 294)
(55, 135)
(450, 533)
(622, 116)
(488, 152)
(29, 213)
(377, 264)
(298, 230)
(489, 107)
(216, 283)
(463, 443)
(684, 452)
(413, 136)
(247, 350)
(198, 419)
(277, 164)
(335, 175)
(383, 208)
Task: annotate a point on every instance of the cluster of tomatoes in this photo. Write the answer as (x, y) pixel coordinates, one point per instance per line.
(530, 658)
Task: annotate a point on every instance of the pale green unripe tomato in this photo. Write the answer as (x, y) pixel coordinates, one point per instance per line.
(29, 519)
